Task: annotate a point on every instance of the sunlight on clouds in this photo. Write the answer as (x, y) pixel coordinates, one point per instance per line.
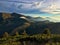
(50, 18)
(39, 16)
(56, 17)
(53, 9)
(36, 16)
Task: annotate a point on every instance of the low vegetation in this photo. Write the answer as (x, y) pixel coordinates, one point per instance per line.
(24, 39)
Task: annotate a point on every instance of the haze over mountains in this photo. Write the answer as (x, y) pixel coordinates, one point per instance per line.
(17, 22)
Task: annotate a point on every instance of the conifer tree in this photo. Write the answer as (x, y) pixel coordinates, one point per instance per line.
(24, 32)
(47, 31)
(17, 34)
(6, 34)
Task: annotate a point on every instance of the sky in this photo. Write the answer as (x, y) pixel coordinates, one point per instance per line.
(43, 8)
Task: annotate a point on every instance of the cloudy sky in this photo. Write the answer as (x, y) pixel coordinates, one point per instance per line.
(44, 8)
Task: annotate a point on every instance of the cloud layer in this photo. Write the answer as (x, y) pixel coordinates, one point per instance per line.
(31, 6)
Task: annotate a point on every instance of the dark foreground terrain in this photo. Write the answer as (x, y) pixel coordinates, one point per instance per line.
(38, 39)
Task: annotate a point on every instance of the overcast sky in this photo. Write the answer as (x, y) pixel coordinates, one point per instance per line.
(50, 8)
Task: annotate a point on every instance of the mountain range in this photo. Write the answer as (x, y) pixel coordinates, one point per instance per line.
(12, 22)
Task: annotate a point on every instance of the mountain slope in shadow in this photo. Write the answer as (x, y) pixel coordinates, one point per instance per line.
(18, 22)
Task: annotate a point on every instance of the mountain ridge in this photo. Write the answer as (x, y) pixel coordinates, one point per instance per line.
(16, 21)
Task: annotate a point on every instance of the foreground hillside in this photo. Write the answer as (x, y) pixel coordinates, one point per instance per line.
(38, 39)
